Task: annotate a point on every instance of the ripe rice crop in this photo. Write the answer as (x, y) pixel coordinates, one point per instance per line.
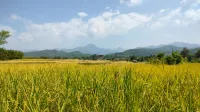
(114, 87)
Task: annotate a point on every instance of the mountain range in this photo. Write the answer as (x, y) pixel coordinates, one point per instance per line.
(92, 49)
(53, 53)
(179, 44)
(168, 49)
(119, 52)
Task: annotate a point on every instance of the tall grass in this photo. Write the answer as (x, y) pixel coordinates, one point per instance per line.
(123, 87)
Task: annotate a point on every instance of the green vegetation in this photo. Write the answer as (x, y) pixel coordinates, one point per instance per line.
(175, 58)
(148, 51)
(54, 54)
(8, 54)
(185, 53)
(3, 36)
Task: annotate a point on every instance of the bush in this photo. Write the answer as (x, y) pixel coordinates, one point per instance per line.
(190, 58)
(57, 57)
(160, 56)
(170, 60)
(177, 57)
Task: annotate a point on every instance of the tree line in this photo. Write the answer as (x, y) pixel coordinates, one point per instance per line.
(8, 54)
(175, 57)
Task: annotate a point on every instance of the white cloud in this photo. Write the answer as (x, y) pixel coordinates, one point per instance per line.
(7, 28)
(192, 14)
(49, 35)
(19, 18)
(131, 3)
(109, 14)
(176, 17)
(107, 8)
(164, 10)
(82, 14)
(52, 35)
(107, 23)
(115, 23)
(26, 37)
(184, 2)
(190, 3)
(171, 17)
(15, 17)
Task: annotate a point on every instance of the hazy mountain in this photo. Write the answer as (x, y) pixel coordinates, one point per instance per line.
(119, 52)
(177, 44)
(183, 44)
(92, 49)
(148, 51)
(53, 53)
(30, 50)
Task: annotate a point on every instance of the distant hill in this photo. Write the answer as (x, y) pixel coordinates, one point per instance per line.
(177, 44)
(148, 51)
(53, 53)
(92, 49)
(193, 51)
(183, 44)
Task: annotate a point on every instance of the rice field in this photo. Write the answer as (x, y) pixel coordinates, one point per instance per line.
(72, 86)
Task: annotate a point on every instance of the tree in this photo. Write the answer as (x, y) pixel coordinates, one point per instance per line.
(190, 58)
(185, 52)
(198, 54)
(170, 60)
(160, 56)
(10, 54)
(177, 57)
(57, 57)
(3, 54)
(132, 58)
(141, 59)
(19, 55)
(94, 57)
(174, 58)
(3, 36)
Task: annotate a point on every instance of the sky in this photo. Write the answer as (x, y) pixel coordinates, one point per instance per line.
(51, 24)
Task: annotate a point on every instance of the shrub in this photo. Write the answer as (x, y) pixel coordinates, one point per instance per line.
(170, 60)
(57, 57)
(177, 57)
(43, 57)
(160, 56)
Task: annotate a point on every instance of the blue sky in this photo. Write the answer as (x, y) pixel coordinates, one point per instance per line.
(49, 24)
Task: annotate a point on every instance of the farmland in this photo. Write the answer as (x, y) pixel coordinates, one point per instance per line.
(74, 85)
